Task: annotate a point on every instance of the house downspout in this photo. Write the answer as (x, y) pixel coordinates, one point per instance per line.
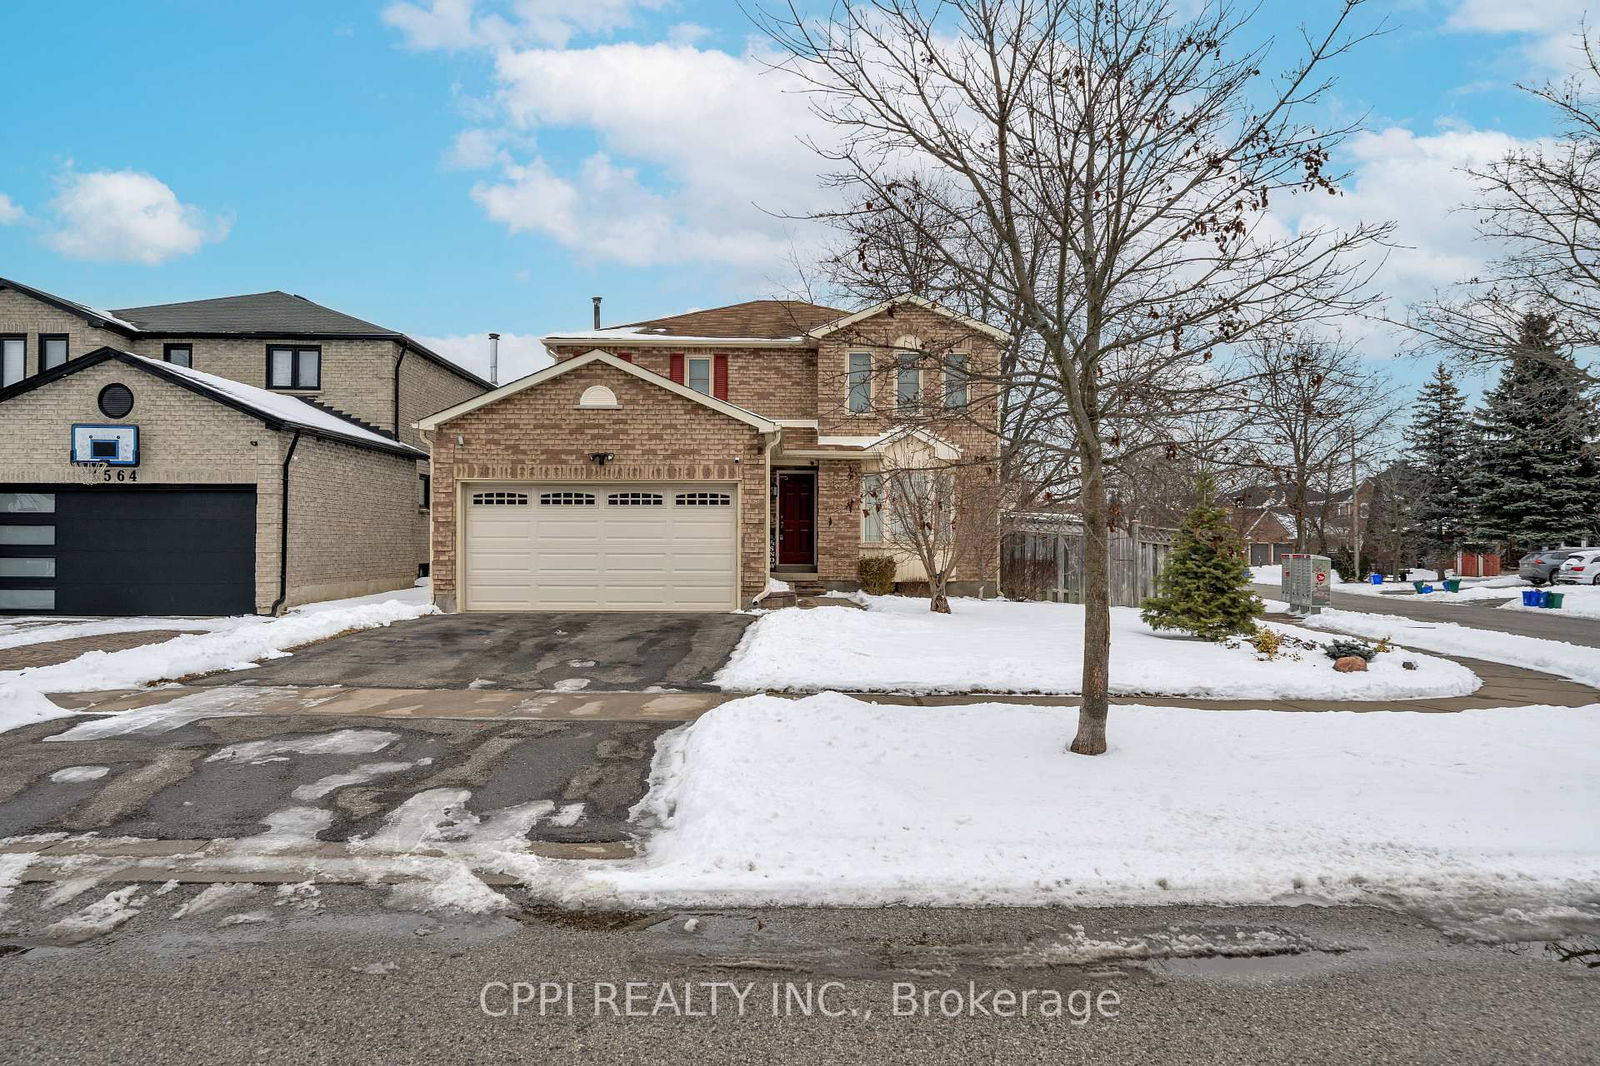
(766, 505)
(403, 353)
(283, 529)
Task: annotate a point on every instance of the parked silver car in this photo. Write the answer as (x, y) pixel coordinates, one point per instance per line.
(1539, 567)
(1580, 568)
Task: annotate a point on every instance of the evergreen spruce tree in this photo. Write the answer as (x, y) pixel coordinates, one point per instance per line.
(1438, 460)
(1536, 478)
(1204, 588)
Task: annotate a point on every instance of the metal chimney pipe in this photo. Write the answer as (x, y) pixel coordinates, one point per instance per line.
(494, 358)
(596, 300)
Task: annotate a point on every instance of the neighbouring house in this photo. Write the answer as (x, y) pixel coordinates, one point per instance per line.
(241, 454)
(682, 463)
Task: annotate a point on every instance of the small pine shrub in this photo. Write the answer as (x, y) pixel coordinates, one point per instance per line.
(876, 573)
(1338, 649)
(1204, 589)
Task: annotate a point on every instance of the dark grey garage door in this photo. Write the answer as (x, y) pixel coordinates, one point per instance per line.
(155, 550)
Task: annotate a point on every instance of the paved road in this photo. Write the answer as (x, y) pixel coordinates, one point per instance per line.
(563, 650)
(1480, 614)
(338, 978)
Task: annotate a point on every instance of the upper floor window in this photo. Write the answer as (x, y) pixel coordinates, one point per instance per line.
(52, 351)
(860, 381)
(907, 380)
(700, 376)
(955, 380)
(294, 368)
(178, 354)
(13, 358)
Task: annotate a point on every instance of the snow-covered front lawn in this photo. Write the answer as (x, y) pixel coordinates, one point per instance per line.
(898, 645)
(828, 800)
(229, 644)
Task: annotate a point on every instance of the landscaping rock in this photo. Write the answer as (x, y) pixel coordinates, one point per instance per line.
(1350, 664)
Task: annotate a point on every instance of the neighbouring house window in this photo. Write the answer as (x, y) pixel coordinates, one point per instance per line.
(294, 368)
(955, 381)
(425, 491)
(178, 354)
(860, 381)
(52, 351)
(908, 380)
(13, 359)
(700, 376)
(872, 508)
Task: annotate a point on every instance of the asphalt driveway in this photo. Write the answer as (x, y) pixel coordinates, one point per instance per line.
(178, 779)
(566, 651)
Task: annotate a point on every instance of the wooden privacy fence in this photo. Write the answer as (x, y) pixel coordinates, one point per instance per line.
(1041, 558)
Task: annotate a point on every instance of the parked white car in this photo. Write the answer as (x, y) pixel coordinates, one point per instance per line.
(1579, 568)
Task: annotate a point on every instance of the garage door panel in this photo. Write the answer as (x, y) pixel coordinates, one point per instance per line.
(608, 555)
(120, 551)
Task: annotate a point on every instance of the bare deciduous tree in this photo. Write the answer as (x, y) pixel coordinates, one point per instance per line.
(938, 514)
(1316, 408)
(1105, 169)
(1540, 204)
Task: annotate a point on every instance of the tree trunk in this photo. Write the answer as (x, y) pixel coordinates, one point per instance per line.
(1091, 738)
(939, 603)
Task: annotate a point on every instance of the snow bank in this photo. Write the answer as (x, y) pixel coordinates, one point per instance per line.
(826, 800)
(898, 645)
(235, 643)
(1579, 663)
(1580, 601)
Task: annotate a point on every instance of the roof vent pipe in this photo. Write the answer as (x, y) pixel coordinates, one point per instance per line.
(494, 358)
(596, 300)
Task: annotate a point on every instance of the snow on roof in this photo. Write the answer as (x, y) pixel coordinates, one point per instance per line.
(637, 333)
(279, 407)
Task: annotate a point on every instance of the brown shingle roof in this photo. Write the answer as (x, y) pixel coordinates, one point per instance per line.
(770, 319)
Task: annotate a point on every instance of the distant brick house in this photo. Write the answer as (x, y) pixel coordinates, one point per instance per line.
(680, 463)
(242, 454)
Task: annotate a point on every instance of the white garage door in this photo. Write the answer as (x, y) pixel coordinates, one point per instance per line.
(615, 547)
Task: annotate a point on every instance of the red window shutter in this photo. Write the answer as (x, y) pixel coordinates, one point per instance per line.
(719, 377)
(676, 372)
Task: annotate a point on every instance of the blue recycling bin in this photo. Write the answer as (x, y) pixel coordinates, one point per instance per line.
(1376, 579)
(1532, 598)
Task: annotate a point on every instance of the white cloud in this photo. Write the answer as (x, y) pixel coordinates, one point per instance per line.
(126, 216)
(476, 149)
(454, 25)
(520, 353)
(697, 147)
(10, 210)
(1548, 29)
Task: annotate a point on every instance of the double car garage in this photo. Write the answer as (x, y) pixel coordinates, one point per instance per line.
(615, 546)
(181, 550)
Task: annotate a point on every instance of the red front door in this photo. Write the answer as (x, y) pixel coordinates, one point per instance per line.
(797, 520)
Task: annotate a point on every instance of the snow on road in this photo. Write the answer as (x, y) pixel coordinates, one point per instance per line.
(898, 645)
(827, 800)
(1581, 664)
(231, 644)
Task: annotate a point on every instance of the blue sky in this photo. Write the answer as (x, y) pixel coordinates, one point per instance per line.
(446, 168)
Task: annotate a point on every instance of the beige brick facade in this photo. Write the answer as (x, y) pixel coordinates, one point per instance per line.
(350, 536)
(805, 383)
(540, 434)
(22, 314)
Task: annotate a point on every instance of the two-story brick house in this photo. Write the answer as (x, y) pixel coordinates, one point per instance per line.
(240, 454)
(678, 463)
